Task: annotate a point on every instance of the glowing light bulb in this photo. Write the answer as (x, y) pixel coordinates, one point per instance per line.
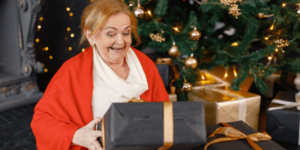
(71, 14)
(39, 26)
(72, 35)
(270, 57)
(41, 18)
(234, 72)
(37, 40)
(276, 49)
(50, 57)
(149, 12)
(70, 48)
(235, 44)
(176, 29)
(266, 38)
(272, 27)
(226, 74)
(202, 76)
(45, 70)
(68, 9)
(46, 48)
(283, 5)
(83, 50)
(68, 28)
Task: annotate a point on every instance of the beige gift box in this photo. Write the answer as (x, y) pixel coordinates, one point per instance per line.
(225, 105)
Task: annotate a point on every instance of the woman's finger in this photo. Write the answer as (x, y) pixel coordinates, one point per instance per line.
(97, 133)
(97, 145)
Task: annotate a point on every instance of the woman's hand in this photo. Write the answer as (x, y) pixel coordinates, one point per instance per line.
(87, 136)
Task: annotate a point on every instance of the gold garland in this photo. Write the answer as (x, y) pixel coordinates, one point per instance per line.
(233, 10)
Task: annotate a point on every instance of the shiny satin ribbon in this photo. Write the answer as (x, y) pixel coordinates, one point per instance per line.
(233, 134)
(168, 125)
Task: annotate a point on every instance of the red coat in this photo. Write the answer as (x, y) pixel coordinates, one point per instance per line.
(66, 104)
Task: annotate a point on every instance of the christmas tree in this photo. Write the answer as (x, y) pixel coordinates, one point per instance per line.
(238, 34)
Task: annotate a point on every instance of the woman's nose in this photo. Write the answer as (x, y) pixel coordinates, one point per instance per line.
(120, 39)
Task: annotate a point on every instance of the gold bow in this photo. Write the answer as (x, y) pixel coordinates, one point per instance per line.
(233, 134)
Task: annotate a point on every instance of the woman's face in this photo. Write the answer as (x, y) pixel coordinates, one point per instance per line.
(114, 38)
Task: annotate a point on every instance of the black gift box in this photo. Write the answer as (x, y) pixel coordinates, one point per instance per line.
(166, 72)
(238, 144)
(283, 124)
(140, 126)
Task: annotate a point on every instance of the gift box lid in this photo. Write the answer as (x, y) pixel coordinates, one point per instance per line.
(141, 125)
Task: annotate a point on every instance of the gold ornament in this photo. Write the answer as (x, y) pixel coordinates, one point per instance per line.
(173, 51)
(195, 34)
(157, 37)
(139, 12)
(234, 10)
(282, 43)
(187, 86)
(191, 62)
(261, 15)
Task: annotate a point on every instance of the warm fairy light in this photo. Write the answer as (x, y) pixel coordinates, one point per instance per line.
(270, 57)
(39, 26)
(72, 35)
(68, 28)
(68, 8)
(45, 70)
(235, 44)
(266, 38)
(149, 12)
(226, 74)
(130, 5)
(176, 29)
(41, 18)
(37, 40)
(283, 5)
(50, 57)
(46, 48)
(70, 48)
(234, 72)
(202, 76)
(272, 27)
(83, 50)
(283, 51)
(276, 49)
(71, 14)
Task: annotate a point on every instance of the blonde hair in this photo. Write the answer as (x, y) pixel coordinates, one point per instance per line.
(97, 13)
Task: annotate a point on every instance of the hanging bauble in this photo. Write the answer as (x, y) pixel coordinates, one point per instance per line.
(195, 34)
(261, 15)
(174, 51)
(297, 10)
(190, 62)
(139, 12)
(187, 86)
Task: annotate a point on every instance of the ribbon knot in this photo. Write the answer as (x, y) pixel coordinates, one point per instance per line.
(232, 134)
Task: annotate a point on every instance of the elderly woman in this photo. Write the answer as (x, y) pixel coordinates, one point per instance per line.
(86, 85)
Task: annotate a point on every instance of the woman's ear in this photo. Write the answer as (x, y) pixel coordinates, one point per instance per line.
(87, 34)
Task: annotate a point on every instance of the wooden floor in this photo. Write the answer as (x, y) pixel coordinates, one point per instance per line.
(16, 134)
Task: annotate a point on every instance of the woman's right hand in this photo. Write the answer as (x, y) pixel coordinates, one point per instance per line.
(87, 136)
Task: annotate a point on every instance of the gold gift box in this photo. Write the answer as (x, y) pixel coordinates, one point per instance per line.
(225, 105)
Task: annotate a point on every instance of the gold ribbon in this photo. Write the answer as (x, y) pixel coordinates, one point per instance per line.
(168, 125)
(161, 60)
(233, 134)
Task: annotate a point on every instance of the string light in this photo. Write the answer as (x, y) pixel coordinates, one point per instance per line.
(266, 38)
(68, 28)
(37, 40)
(70, 48)
(176, 29)
(46, 48)
(72, 35)
(276, 49)
(39, 26)
(83, 50)
(202, 76)
(41, 18)
(226, 74)
(68, 9)
(270, 57)
(283, 5)
(234, 71)
(235, 44)
(45, 70)
(272, 27)
(50, 57)
(149, 12)
(71, 14)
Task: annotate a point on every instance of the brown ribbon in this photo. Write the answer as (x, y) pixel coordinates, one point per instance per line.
(233, 134)
(103, 134)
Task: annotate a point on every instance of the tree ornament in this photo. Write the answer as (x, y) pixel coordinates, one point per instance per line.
(297, 10)
(195, 34)
(139, 12)
(234, 10)
(157, 37)
(191, 62)
(261, 15)
(187, 86)
(173, 51)
(282, 43)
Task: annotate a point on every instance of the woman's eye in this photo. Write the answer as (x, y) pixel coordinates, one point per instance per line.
(125, 33)
(111, 34)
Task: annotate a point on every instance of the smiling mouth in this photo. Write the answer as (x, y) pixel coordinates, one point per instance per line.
(114, 48)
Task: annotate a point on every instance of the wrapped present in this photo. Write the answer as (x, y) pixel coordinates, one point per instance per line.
(283, 121)
(238, 136)
(148, 126)
(225, 105)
